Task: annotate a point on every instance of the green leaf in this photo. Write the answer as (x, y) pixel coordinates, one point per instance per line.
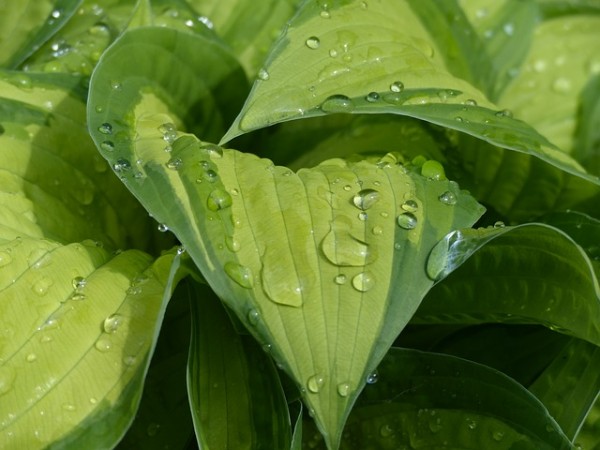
(428, 400)
(570, 385)
(235, 394)
(54, 183)
(561, 60)
(249, 27)
(587, 137)
(589, 436)
(78, 326)
(27, 25)
(164, 419)
(530, 273)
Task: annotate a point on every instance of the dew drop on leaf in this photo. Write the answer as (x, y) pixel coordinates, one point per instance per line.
(253, 317)
(498, 435)
(363, 282)
(263, 75)
(242, 275)
(342, 249)
(213, 150)
(313, 43)
(78, 282)
(103, 345)
(410, 206)
(218, 199)
(372, 97)
(397, 86)
(105, 128)
(122, 165)
(41, 286)
(112, 323)
(408, 221)
(373, 377)
(448, 198)
(386, 431)
(365, 198)
(504, 113)
(337, 104)
(5, 259)
(174, 164)
(343, 389)
(163, 228)
(32, 357)
(340, 279)
(315, 383)
(433, 170)
(210, 175)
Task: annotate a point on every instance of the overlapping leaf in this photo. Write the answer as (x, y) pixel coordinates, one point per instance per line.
(307, 259)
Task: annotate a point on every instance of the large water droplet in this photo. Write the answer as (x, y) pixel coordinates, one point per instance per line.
(313, 42)
(253, 317)
(218, 199)
(433, 170)
(242, 275)
(343, 249)
(372, 97)
(448, 198)
(343, 389)
(112, 323)
(365, 198)
(408, 221)
(363, 282)
(337, 104)
(315, 383)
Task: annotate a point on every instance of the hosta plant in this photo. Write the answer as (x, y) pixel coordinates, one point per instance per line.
(287, 224)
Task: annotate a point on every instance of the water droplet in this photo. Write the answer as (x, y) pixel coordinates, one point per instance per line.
(41, 286)
(253, 317)
(103, 345)
(232, 244)
(499, 224)
(78, 282)
(363, 282)
(56, 13)
(5, 259)
(107, 146)
(325, 14)
(242, 275)
(410, 206)
(372, 97)
(174, 164)
(373, 377)
(31, 357)
(365, 198)
(498, 435)
(162, 227)
(504, 113)
(448, 198)
(397, 86)
(470, 102)
(68, 407)
(313, 42)
(337, 104)
(343, 389)
(343, 249)
(471, 424)
(315, 383)
(433, 170)
(213, 150)
(105, 128)
(218, 199)
(122, 165)
(408, 221)
(508, 28)
(210, 175)
(116, 85)
(377, 230)
(263, 75)
(561, 85)
(7, 377)
(340, 279)
(112, 323)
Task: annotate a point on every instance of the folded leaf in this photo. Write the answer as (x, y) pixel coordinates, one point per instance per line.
(526, 274)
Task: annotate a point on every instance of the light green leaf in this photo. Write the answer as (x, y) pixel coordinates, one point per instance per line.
(71, 372)
(589, 435)
(428, 400)
(234, 390)
(530, 274)
(164, 419)
(54, 185)
(570, 385)
(249, 27)
(587, 135)
(27, 25)
(561, 60)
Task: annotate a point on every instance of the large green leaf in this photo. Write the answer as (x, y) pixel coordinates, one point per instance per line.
(27, 25)
(530, 274)
(589, 435)
(78, 325)
(425, 400)
(234, 389)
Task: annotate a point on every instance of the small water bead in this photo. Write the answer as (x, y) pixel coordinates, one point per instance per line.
(340, 279)
(41, 286)
(408, 221)
(448, 198)
(218, 199)
(77, 297)
(107, 146)
(386, 431)
(362, 216)
(363, 282)
(163, 228)
(78, 282)
(174, 164)
(263, 75)
(242, 275)
(372, 97)
(315, 383)
(31, 357)
(5, 259)
(397, 86)
(410, 206)
(105, 128)
(103, 345)
(561, 85)
(337, 104)
(232, 244)
(313, 43)
(471, 424)
(333, 53)
(253, 317)
(504, 113)
(373, 377)
(498, 435)
(116, 85)
(377, 230)
(112, 323)
(365, 199)
(122, 165)
(213, 150)
(343, 389)
(470, 102)
(508, 28)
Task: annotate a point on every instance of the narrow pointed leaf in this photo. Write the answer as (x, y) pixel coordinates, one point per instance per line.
(530, 274)
(570, 385)
(234, 390)
(99, 313)
(586, 146)
(27, 25)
